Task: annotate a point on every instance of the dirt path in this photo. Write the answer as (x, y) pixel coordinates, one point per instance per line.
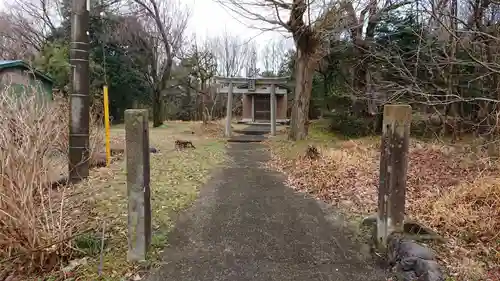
(247, 225)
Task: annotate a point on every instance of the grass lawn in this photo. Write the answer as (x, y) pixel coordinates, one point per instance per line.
(175, 179)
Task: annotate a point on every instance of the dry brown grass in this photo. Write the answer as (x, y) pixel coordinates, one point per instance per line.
(214, 128)
(35, 225)
(450, 189)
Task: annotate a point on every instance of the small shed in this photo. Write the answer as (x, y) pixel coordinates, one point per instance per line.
(20, 77)
(264, 99)
(256, 97)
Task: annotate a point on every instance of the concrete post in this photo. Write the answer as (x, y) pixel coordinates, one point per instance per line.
(393, 166)
(138, 177)
(273, 110)
(78, 165)
(229, 110)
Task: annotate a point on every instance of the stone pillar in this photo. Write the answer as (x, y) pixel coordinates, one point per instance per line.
(229, 110)
(393, 166)
(273, 110)
(138, 177)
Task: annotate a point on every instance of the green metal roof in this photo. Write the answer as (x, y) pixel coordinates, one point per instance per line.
(4, 64)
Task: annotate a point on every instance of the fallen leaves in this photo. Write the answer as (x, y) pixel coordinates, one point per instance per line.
(455, 193)
(74, 264)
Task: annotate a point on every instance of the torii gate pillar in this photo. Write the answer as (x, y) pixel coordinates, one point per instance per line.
(229, 110)
(273, 109)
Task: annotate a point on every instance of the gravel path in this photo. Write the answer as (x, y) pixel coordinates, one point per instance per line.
(247, 225)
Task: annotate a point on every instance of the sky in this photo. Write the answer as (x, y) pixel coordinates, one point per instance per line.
(210, 18)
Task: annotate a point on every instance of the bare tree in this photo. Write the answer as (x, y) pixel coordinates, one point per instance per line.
(251, 59)
(160, 27)
(33, 21)
(11, 48)
(362, 39)
(273, 56)
(202, 67)
(230, 51)
(308, 22)
(450, 75)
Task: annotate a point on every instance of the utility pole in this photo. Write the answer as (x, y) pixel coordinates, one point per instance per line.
(79, 96)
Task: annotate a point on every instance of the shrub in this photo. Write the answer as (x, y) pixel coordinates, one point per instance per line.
(348, 125)
(35, 225)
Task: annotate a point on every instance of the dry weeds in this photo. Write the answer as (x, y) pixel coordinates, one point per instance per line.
(454, 192)
(35, 225)
(44, 228)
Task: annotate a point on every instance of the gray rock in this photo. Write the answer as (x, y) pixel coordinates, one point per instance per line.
(408, 276)
(153, 150)
(429, 270)
(393, 244)
(412, 261)
(431, 276)
(425, 270)
(407, 264)
(409, 249)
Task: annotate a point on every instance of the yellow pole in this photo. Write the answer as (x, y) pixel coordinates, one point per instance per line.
(106, 125)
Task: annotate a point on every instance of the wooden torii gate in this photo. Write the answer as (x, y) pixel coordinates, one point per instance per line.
(260, 85)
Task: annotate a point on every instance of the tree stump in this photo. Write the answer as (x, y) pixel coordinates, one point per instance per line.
(312, 152)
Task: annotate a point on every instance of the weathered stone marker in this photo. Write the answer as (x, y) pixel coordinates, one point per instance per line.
(138, 177)
(393, 166)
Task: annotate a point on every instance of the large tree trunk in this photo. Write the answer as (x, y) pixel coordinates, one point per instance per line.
(157, 105)
(304, 71)
(204, 109)
(157, 95)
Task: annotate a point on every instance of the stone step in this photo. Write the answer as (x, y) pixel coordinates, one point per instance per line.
(246, 138)
(253, 132)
